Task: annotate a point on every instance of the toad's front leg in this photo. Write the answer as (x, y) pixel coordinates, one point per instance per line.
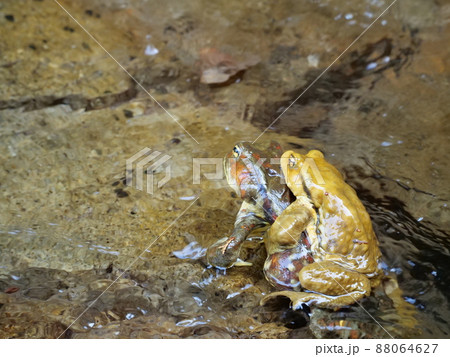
(286, 231)
(225, 252)
(331, 286)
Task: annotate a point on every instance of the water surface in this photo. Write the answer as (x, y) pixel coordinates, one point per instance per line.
(71, 117)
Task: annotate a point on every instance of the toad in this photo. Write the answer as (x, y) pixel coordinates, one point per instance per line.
(342, 242)
(260, 184)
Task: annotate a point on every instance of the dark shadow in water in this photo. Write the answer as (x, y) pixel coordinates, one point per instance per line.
(418, 252)
(334, 88)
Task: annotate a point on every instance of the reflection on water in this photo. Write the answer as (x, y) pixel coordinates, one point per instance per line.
(70, 118)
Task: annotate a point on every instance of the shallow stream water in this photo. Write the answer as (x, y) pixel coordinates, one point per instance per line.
(70, 117)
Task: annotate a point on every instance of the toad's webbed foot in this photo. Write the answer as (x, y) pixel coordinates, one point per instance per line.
(224, 253)
(314, 299)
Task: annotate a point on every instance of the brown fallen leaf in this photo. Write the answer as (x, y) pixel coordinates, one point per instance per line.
(12, 290)
(218, 67)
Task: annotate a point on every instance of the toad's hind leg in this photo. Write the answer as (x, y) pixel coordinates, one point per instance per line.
(339, 285)
(332, 286)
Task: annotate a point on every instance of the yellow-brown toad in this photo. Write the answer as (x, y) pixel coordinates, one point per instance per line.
(343, 244)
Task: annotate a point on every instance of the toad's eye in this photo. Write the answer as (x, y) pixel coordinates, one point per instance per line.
(292, 161)
(236, 151)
